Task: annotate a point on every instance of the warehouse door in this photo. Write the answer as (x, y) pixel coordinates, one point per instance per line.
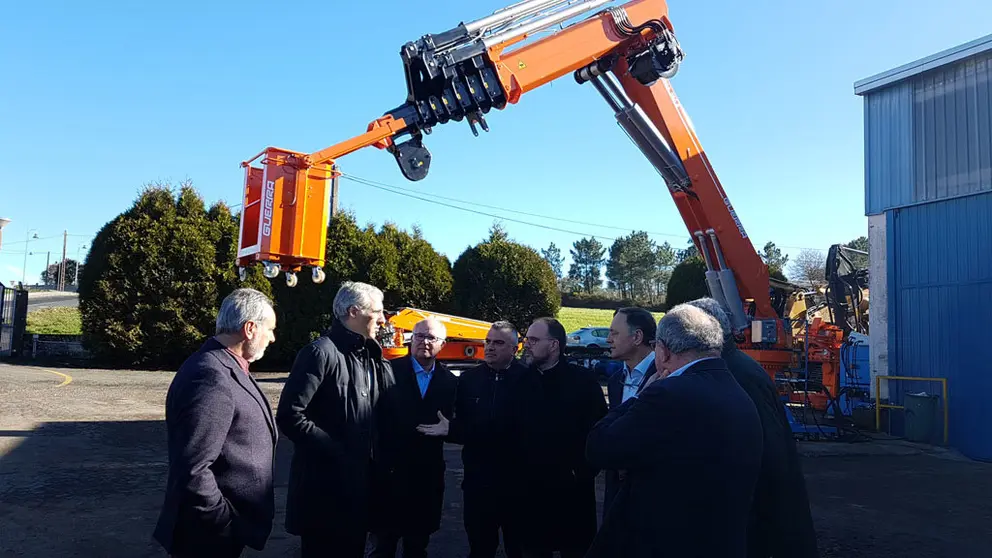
(940, 310)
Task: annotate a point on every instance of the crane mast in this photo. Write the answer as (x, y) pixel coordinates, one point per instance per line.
(627, 53)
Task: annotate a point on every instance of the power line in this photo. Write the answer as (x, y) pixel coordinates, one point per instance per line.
(434, 199)
(493, 215)
(31, 240)
(370, 182)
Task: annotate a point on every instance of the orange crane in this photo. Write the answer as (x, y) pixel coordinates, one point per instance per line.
(464, 340)
(628, 53)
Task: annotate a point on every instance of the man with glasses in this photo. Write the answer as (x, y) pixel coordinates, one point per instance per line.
(561, 487)
(408, 492)
(630, 339)
(490, 422)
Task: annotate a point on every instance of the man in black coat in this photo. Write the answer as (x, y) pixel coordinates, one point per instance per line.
(630, 339)
(691, 445)
(560, 501)
(781, 523)
(328, 409)
(491, 419)
(409, 482)
(222, 437)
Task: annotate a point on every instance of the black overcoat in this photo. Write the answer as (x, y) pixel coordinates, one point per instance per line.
(328, 410)
(409, 480)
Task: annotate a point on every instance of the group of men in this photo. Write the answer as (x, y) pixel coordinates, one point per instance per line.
(698, 456)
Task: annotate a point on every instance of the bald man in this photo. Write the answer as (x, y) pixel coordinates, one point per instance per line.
(409, 490)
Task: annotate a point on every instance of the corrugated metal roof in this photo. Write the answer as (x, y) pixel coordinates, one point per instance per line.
(940, 298)
(905, 71)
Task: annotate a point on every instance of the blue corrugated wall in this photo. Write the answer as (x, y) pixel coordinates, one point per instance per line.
(940, 310)
(930, 138)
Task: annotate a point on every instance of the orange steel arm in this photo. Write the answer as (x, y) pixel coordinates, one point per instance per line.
(709, 207)
(465, 72)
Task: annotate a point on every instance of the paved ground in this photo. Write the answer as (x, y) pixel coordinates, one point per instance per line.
(82, 467)
(52, 299)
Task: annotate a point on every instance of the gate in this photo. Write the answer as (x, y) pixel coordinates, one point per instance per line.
(13, 319)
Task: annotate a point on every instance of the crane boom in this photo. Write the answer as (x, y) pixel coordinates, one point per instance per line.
(628, 53)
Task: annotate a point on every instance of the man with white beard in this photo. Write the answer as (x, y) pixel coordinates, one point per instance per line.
(221, 437)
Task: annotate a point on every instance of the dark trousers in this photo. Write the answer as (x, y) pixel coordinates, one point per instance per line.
(486, 513)
(207, 547)
(384, 545)
(528, 553)
(232, 552)
(333, 545)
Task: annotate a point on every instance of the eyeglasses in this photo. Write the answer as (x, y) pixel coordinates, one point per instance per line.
(536, 340)
(427, 338)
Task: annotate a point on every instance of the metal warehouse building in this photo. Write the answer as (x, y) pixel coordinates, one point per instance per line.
(928, 197)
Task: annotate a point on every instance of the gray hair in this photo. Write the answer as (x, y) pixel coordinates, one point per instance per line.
(687, 328)
(715, 309)
(503, 325)
(353, 293)
(432, 322)
(240, 307)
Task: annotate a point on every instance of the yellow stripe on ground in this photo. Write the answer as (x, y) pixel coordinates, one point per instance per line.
(66, 379)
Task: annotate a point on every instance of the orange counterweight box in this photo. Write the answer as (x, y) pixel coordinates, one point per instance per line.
(285, 214)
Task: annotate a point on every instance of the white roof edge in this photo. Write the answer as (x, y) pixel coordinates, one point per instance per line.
(911, 69)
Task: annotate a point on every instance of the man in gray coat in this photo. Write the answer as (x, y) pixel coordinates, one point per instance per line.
(222, 438)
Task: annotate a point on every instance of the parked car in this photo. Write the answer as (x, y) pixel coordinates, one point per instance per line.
(591, 337)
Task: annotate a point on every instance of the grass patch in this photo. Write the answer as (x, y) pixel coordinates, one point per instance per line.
(575, 318)
(55, 321)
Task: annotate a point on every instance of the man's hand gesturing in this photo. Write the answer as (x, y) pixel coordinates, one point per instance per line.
(439, 429)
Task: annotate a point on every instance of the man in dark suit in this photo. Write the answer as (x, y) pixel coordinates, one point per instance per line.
(491, 419)
(691, 445)
(222, 437)
(560, 487)
(630, 339)
(409, 483)
(328, 409)
(781, 524)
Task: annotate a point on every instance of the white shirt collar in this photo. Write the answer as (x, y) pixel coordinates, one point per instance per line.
(642, 367)
(686, 367)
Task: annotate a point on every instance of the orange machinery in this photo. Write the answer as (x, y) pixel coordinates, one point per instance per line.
(627, 53)
(465, 340)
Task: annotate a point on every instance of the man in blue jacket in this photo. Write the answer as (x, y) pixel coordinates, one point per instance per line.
(222, 437)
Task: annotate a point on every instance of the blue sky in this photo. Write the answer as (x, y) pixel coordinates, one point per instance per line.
(101, 98)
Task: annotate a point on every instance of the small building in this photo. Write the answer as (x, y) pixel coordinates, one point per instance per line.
(928, 198)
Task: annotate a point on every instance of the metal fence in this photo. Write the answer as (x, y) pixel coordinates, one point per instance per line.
(13, 317)
(8, 301)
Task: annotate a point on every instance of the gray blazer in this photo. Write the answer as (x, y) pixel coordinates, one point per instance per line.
(221, 440)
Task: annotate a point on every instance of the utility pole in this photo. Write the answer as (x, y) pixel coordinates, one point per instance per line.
(78, 260)
(48, 262)
(65, 239)
(27, 244)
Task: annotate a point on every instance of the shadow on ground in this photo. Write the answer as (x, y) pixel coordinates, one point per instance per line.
(94, 489)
